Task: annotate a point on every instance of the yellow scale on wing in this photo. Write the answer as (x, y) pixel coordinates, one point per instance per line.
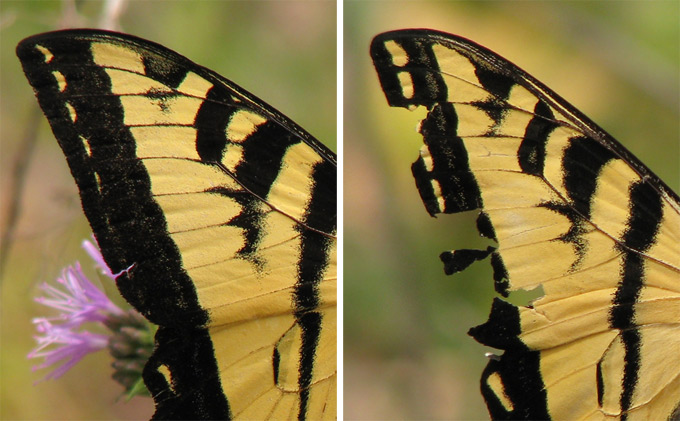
(212, 257)
(498, 116)
(248, 306)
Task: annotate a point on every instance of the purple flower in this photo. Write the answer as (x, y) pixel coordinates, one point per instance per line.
(59, 343)
(79, 301)
(63, 340)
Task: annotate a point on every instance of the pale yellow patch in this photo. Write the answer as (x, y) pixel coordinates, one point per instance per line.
(61, 80)
(600, 250)
(472, 121)
(71, 112)
(526, 226)
(514, 123)
(658, 306)
(165, 142)
(521, 98)
(492, 153)
(426, 156)
(459, 76)
(219, 276)
(194, 85)
(613, 364)
(281, 238)
(125, 83)
(566, 320)
(610, 203)
(496, 384)
(593, 274)
(233, 156)
(667, 245)
(454, 64)
(437, 189)
(246, 371)
(659, 367)
(462, 91)
(406, 83)
(144, 111)
(170, 176)
(291, 190)
(46, 53)
(86, 144)
(193, 211)
(567, 384)
(254, 297)
(117, 56)
(289, 347)
(659, 274)
(204, 246)
(242, 124)
(523, 271)
(558, 141)
(510, 190)
(165, 371)
(398, 54)
(98, 180)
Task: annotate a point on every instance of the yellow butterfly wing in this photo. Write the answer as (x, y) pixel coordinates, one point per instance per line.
(572, 211)
(221, 213)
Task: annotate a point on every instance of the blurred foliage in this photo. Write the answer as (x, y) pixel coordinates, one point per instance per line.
(406, 352)
(284, 52)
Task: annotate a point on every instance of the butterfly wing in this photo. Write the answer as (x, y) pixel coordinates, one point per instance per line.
(219, 211)
(572, 211)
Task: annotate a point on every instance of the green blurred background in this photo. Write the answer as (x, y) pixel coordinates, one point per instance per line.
(282, 51)
(407, 355)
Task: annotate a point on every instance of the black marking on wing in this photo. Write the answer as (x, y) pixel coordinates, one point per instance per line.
(517, 367)
(644, 222)
(129, 225)
(320, 217)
